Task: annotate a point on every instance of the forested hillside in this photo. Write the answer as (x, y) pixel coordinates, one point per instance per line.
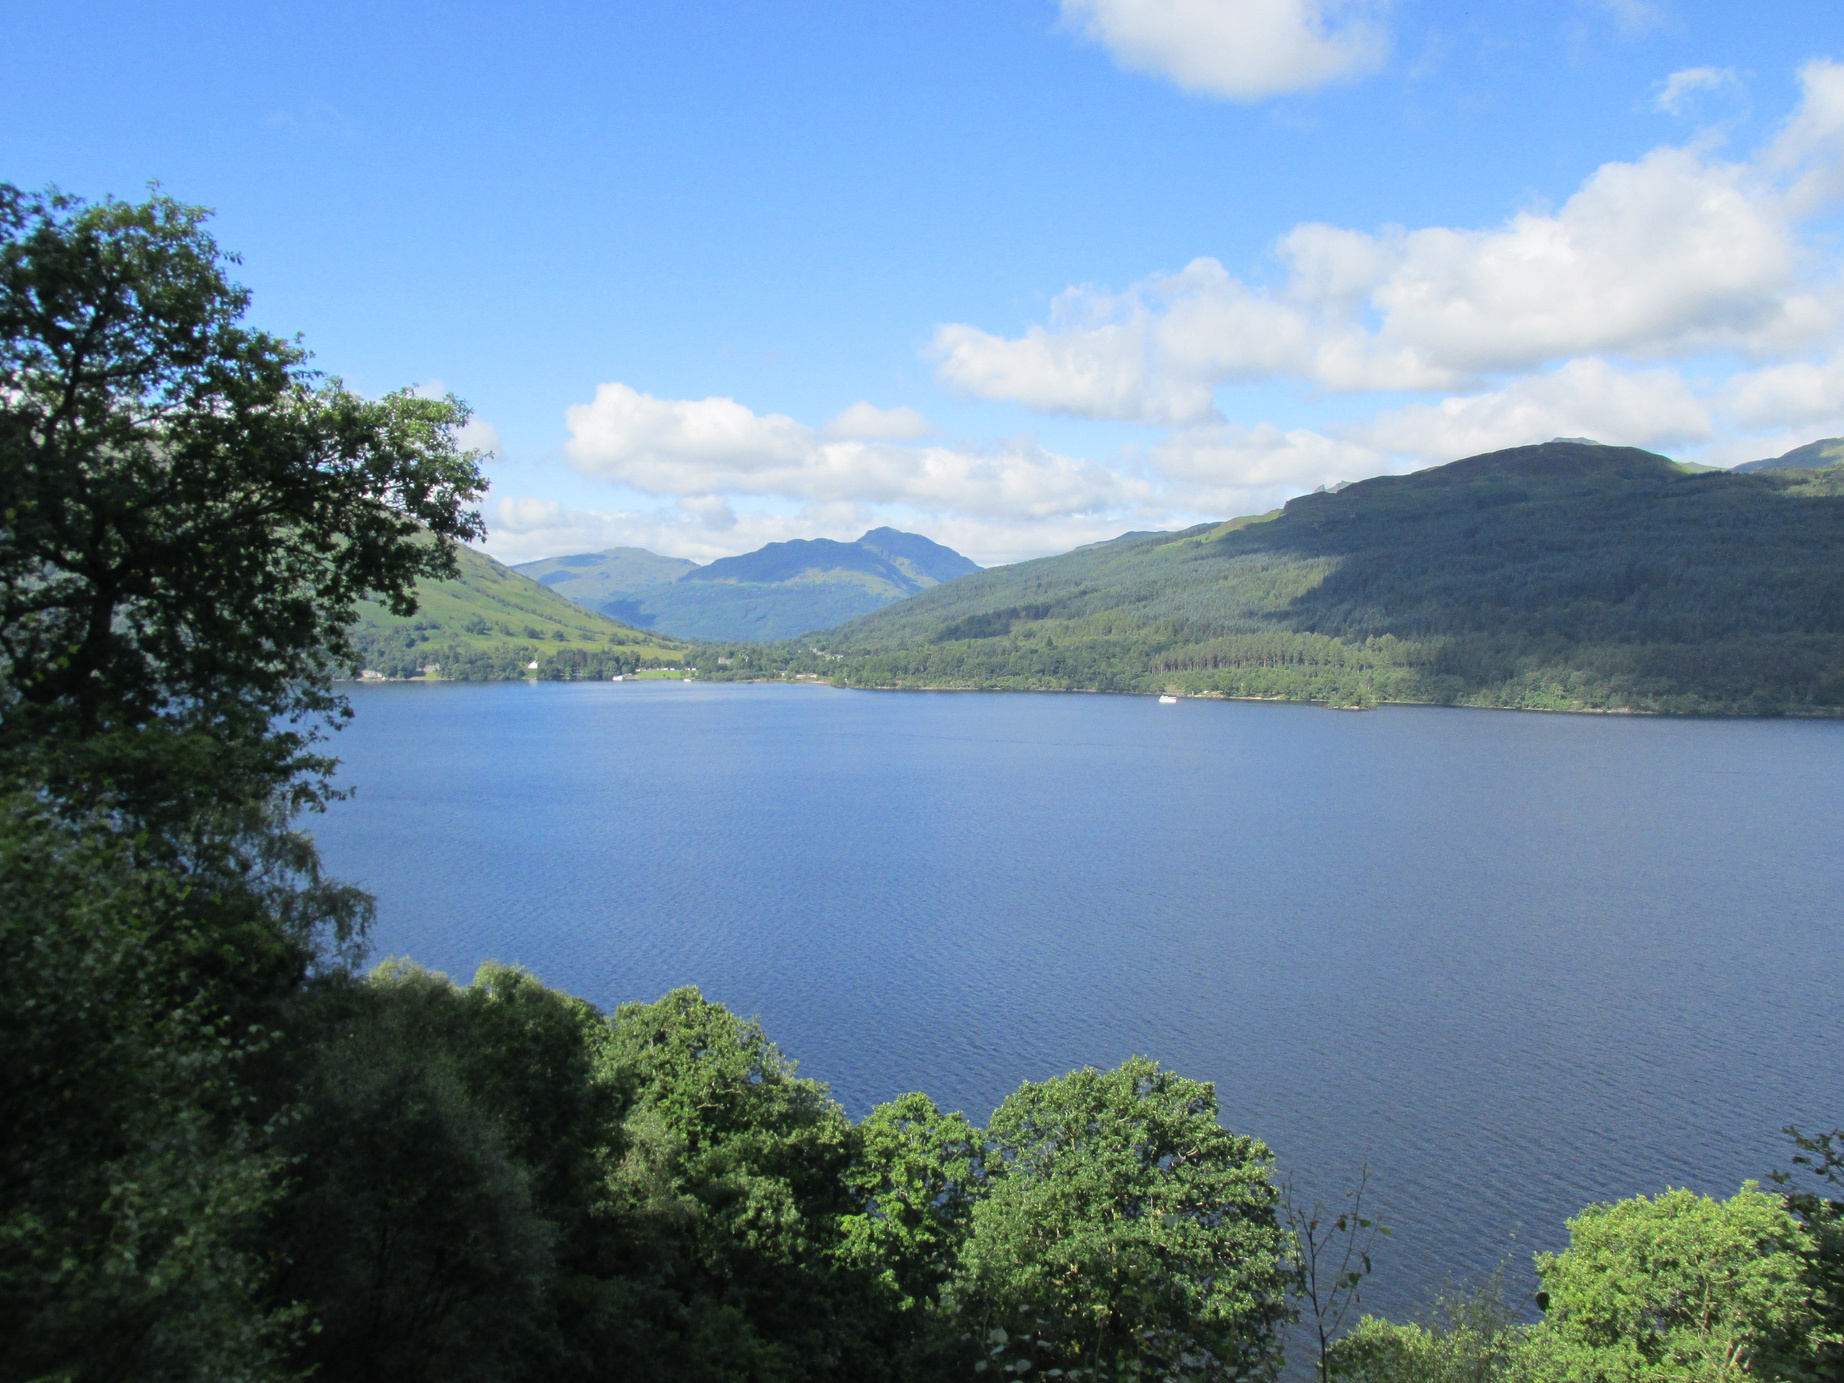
(1826, 451)
(1565, 576)
(488, 623)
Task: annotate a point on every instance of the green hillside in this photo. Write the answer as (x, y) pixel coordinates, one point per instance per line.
(776, 592)
(1827, 451)
(606, 581)
(1561, 576)
(490, 622)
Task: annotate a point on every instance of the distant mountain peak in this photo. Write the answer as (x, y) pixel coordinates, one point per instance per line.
(1579, 441)
(776, 591)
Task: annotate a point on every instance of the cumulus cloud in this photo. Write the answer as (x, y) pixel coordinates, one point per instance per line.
(1231, 469)
(522, 528)
(1584, 398)
(1234, 468)
(1243, 50)
(1675, 95)
(1810, 149)
(477, 434)
(865, 422)
(1675, 254)
(1800, 391)
(716, 446)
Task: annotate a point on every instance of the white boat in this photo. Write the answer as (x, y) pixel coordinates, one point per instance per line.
(1168, 701)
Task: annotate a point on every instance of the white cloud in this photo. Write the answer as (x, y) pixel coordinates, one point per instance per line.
(1232, 469)
(1801, 391)
(1673, 255)
(866, 422)
(525, 528)
(717, 446)
(641, 435)
(1676, 301)
(477, 434)
(1584, 398)
(1243, 50)
(1810, 149)
(1674, 97)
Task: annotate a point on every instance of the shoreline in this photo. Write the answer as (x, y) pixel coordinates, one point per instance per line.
(1790, 713)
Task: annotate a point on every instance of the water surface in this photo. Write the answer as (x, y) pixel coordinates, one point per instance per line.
(1514, 962)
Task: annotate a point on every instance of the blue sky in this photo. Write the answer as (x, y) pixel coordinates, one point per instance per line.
(1018, 275)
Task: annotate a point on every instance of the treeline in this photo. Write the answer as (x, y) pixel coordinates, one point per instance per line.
(221, 1166)
(1562, 576)
(400, 653)
(227, 1155)
(403, 1179)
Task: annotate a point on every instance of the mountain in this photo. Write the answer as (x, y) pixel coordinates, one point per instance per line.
(776, 592)
(1813, 456)
(1560, 576)
(490, 622)
(595, 578)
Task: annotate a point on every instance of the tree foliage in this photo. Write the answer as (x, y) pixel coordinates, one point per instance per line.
(190, 514)
(1821, 1156)
(132, 1184)
(1675, 1286)
(1126, 1229)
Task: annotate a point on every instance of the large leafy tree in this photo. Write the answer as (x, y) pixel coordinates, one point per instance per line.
(188, 516)
(1127, 1233)
(132, 1187)
(448, 1152)
(917, 1175)
(1822, 1214)
(1680, 1286)
(731, 1190)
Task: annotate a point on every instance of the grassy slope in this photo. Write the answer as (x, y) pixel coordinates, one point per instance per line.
(489, 610)
(1560, 576)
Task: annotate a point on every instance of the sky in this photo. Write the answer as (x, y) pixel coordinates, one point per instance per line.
(1018, 275)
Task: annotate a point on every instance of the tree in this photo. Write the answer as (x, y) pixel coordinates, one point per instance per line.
(917, 1175)
(731, 1189)
(1466, 1337)
(1681, 1286)
(1823, 1254)
(1331, 1259)
(132, 1188)
(190, 516)
(1126, 1231)
(412, 1231)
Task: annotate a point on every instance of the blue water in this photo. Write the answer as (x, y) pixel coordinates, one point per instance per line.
(1515, 963)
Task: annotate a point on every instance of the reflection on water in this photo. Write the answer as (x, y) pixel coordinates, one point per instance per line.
(1514, 962)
